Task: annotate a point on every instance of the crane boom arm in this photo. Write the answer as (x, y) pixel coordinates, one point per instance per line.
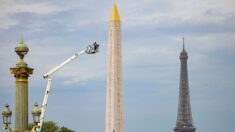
(91, 49)
(54, 70)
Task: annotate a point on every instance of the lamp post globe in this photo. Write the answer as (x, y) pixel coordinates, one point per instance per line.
(6, 114)
(36, 112)
(21, 49)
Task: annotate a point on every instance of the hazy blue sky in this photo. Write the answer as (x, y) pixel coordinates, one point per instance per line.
(152, 33)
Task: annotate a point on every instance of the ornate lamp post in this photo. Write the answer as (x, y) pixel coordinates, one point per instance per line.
(36, 112)
(6, 114)
(21, 73)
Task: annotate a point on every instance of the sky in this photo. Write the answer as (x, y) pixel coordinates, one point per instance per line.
(152, 32)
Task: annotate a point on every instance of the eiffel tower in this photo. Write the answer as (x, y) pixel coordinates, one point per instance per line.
(184, 121)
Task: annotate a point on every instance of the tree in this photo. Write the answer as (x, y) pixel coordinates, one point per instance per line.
(51, 126)
(64, 129)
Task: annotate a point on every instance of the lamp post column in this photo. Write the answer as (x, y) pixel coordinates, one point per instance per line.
(21, 72)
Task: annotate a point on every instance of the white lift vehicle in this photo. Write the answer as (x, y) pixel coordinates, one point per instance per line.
(91, 49)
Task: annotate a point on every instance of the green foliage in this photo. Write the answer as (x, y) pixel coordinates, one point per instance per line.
(51, 126)
(64, 129)
(30, 126)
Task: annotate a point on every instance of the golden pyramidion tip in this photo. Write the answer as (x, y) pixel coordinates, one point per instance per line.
(115, 15)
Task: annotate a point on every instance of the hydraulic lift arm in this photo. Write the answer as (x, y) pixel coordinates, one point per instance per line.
(91, 49)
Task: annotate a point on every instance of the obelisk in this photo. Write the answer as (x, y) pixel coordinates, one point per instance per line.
(114, 96)
(21, 72)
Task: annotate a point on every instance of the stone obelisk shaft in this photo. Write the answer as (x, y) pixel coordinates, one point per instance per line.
(114, 96)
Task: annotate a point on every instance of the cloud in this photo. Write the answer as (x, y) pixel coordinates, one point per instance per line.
(183, 14)
(10, 8)
(7, 22)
